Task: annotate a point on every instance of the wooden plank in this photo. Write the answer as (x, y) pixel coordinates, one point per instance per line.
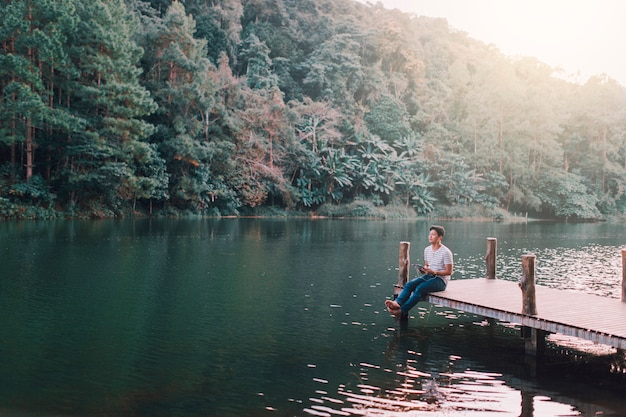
(587, 316)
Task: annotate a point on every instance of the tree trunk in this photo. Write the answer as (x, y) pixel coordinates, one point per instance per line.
(29, 150)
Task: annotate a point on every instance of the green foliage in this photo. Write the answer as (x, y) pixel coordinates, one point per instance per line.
(26, 199)
(566, 196)
(35, 191)
(108, 107)
(388, 119)
(419, 193)
(357, 208)
(334, 71)
(471, 211)
(255, 56)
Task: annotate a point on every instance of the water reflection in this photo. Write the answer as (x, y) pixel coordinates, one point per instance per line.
(453, 385)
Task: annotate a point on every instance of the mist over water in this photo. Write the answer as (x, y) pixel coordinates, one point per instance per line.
(277, 317)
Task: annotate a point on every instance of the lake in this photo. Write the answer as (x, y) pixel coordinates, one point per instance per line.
(286, 317)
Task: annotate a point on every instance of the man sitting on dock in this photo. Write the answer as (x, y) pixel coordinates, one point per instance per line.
(438, 262)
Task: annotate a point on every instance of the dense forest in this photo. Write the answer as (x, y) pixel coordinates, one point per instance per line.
(232, 107)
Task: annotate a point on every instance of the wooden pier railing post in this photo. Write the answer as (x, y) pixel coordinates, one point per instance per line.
(534, 338)
(490, 257)
(404, 264)
(527, 284)
(624, 275)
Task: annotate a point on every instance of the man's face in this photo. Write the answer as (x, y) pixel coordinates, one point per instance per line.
(433, 237)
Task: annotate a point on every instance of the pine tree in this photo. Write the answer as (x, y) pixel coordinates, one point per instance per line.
(101, 163)
(180, 78)
(32, 62)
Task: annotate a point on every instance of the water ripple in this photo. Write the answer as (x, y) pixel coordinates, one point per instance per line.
(418, 393)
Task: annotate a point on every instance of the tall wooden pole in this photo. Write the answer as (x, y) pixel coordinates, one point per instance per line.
(404, 263)
(624, 275)
(527, 284)
(534, 339)
(490, 258)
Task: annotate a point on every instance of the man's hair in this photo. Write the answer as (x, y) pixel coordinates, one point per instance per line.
(439, 229)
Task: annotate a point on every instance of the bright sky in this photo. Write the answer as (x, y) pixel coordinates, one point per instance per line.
(583, 37)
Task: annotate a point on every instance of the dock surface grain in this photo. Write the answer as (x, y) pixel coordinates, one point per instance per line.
(592, 317)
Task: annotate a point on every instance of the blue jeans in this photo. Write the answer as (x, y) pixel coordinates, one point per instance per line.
(415, 289)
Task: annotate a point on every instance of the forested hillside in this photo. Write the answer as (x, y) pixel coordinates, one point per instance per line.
(222, 107)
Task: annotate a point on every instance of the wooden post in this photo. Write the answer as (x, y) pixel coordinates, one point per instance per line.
(490, 258)
(527, 284)
(404, 264)
(534, 339)
(624, 275)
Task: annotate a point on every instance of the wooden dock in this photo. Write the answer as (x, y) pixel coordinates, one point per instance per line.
(539, 310)
(591, 317)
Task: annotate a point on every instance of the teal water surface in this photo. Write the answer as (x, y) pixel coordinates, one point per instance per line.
(256, 317)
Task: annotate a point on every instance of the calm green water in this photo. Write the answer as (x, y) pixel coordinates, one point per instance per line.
(248, 317)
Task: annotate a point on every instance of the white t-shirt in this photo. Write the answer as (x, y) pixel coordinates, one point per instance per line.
(437, 260)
